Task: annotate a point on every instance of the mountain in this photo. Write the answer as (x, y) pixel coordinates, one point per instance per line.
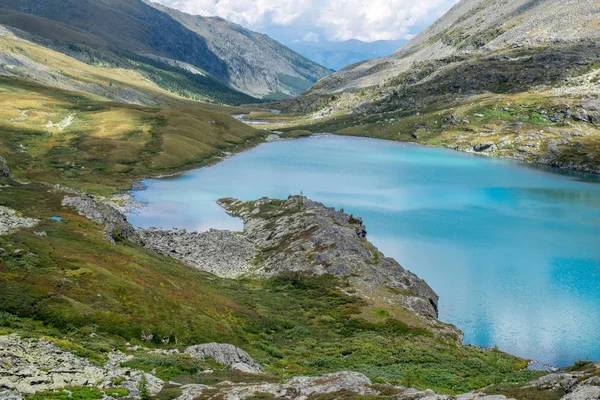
(257, 64)
(337, 55)
(517, 79)
(127, 33)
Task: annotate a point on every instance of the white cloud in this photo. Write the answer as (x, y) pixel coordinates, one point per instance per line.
(311, 37)
(366, 20)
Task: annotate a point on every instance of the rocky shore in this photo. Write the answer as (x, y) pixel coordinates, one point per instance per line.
(223, 253)
(301, 235)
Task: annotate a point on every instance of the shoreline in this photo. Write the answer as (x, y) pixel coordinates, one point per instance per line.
(519, 163)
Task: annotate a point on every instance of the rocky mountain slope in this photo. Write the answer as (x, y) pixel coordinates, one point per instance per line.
(516, 79)
(175, 53)
(478, 27)
(257, 65)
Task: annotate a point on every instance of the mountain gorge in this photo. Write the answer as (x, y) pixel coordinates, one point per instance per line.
(98, 95)
(185, 59)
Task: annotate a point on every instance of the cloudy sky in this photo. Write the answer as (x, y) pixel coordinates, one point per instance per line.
(334, 20)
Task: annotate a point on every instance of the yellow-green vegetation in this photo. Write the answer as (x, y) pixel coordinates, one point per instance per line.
(56, 136)
(80, 393)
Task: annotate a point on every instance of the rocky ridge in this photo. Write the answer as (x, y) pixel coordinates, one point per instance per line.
(301, 235)
(286, 236)
(115, 223)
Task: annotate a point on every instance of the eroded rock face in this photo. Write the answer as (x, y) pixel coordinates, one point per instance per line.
(226, 354)
(113, 221)
(301, 235)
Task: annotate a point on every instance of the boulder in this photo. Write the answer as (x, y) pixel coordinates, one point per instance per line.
(113, 221)
(4, 170)
(226, 354)
(10, 395)
(153, 384)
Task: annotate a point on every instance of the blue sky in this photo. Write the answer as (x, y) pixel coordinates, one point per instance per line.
(321, 20)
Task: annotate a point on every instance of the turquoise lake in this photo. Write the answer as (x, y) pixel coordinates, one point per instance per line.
(512, 250)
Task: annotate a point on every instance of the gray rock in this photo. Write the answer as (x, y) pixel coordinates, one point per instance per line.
(4, 170)
(9, 220)
(591, 104)
(113, 221)
(10, 395)
(226, 354)
(309, 237)
(584, 392)
(222, 253)
(484, 147)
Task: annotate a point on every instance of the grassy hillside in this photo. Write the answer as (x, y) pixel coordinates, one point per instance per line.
(63, 137)
(68, 58)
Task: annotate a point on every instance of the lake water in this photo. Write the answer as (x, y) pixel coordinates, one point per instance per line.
(512, 250)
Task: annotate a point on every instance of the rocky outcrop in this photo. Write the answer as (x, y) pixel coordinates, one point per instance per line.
(115, 223)
(301, 235)
(9, 220)
(357, 384)
(346, 384)
(10, 395)
(223, 253)
(296, 388)
(226, 354)
(30, 366)
(4, 170)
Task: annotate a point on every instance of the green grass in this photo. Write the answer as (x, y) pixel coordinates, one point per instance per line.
(80, 393)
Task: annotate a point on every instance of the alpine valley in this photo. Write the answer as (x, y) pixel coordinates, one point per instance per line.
(98, 95)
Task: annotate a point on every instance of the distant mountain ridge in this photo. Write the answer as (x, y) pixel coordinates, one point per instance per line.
(119, 32)
(338, 55)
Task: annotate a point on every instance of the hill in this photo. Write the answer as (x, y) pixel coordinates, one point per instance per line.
(257, 64)
(135, 35)
(515, 79)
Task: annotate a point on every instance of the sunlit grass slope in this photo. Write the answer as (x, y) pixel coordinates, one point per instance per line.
(56, 136)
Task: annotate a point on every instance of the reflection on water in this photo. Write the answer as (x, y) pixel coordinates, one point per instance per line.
(513, 251)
